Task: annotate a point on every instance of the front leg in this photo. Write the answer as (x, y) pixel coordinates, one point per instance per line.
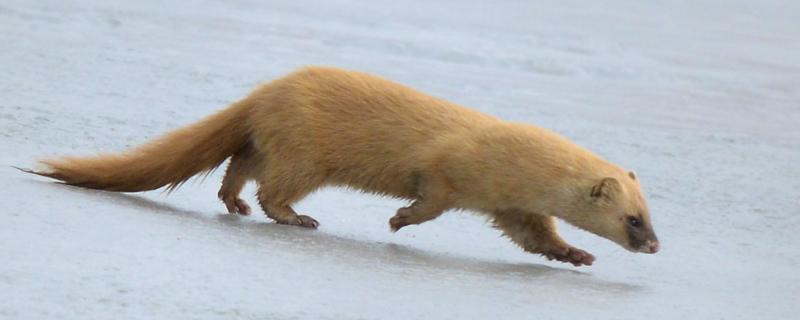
(433, 200)
(418, 212)
(537, 234)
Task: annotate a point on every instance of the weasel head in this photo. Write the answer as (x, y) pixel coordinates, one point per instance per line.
(615, 208)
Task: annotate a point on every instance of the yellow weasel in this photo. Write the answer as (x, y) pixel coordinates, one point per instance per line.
(321, 126)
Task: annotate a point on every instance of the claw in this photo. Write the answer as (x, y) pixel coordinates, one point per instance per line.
(236, 205)
(396, 223)
(307, 222)
(399, 220)
(242, 207)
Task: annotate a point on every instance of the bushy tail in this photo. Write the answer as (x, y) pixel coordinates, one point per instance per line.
(168, 160)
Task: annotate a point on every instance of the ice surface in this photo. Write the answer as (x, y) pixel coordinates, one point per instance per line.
(701, 98)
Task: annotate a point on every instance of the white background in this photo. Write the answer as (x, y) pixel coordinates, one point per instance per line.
(701, 98)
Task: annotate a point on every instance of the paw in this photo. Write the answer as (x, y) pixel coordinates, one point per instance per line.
(237, 205)
(396, 223)
(575, 256)
(400, 219)
(300, 221)
(307, 222)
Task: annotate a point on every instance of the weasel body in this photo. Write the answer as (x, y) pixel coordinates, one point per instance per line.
(323, 126)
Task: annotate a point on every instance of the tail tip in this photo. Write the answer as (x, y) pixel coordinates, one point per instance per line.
(26, 170)
(38, 173)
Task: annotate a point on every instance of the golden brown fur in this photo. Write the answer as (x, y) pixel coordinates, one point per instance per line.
(323, 126)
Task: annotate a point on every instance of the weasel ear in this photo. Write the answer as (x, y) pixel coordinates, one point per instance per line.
(632, 175)
(606, 188)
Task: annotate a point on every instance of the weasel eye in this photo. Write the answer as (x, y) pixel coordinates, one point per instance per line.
(634, 222)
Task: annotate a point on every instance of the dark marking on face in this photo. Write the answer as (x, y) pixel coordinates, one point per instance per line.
(634, 221)
(638, 232)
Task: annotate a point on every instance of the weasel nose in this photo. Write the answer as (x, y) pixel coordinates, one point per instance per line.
(653, 247)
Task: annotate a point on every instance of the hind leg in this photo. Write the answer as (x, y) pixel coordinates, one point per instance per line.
(242, 168)
(283, 185)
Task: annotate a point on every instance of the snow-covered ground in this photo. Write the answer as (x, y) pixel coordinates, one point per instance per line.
(701, 98)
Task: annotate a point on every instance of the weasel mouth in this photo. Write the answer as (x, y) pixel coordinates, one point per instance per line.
(649, 247)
